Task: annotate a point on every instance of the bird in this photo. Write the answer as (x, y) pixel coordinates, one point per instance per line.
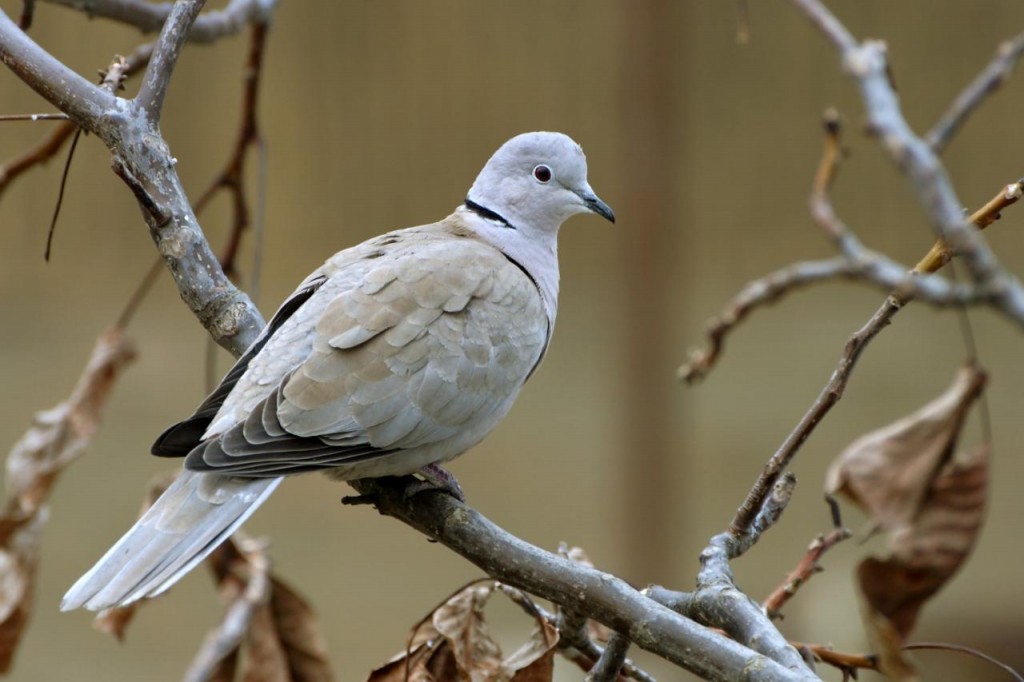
(392, 358)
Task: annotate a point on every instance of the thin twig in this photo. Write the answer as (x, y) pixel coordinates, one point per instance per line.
(33, 117)
(144, 287)
(28, 10)
(837, 659)
(856, 263)
(610, 662)
(984, 84)
(803, 571)
(158, 72)
(60, 194)
(822, 211)
(866, 63)
(149, 17)
(574, 644)
(231, 178)
(945, 646)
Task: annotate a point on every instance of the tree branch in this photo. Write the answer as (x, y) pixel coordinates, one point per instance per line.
(158, 73)
(986, 83)
(143, 160)
(84, 102)
(149, 17)
(866, 63)
(590, 592)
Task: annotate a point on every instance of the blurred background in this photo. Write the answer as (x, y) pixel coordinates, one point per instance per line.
(378, 115)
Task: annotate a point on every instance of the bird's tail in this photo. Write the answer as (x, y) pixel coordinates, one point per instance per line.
(196, 513)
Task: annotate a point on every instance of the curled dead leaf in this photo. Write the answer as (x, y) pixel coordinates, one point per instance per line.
(56, 438)
(925, 555)
(889, 472)
(932, 504)
(454, 643)
(270, 620)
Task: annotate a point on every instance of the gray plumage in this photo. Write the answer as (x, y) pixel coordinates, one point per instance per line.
(401, 352)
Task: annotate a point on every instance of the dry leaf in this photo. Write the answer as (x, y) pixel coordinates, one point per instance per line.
(885, 641)
(888, 472)
(56, 438)
(265, 658)
(460, 620)
(534, 661)
(932, 505)
(430, 661)
(297, 633)
(926, 554)
(454, 644)
(277, 628)
(114, 622)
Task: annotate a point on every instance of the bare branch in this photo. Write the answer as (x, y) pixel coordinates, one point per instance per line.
(984, 84)
(821, 209)
(610, 663)
(149, 17)
(84, 102)
(143, 160)
(866, 63)
(718, 603)
(158, 73)
(593, 593)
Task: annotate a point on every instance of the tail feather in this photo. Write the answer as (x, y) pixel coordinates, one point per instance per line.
(195, 515)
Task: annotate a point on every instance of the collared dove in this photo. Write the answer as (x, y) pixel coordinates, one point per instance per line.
(394, 356)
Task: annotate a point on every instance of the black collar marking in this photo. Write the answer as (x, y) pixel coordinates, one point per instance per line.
(487, 213)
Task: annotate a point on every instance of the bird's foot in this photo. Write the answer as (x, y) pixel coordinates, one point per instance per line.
(436, 477)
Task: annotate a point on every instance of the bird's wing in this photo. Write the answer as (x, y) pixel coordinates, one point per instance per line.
(180, 439)
(421, 352)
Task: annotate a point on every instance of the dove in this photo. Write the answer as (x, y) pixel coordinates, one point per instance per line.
(393, 357)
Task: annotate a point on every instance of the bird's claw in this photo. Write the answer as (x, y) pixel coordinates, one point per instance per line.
(436, 477)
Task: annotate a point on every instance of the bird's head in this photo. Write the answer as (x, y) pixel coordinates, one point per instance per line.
(536, 181)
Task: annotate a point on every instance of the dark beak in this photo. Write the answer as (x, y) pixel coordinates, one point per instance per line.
(591, 201)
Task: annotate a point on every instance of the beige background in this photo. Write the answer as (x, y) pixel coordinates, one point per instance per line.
(378, 115)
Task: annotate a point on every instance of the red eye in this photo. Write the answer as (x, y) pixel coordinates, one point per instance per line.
(542, 173)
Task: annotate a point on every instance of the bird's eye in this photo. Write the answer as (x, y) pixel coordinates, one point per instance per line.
(542, 173)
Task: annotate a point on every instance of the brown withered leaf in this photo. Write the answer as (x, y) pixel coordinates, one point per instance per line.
(454, 644)
(19, 558)
(115, 622)
(289, 623)
(276, 627)
(431, 661)
(265, 658)
(932, 505)
(460, 620)
(889, 472)
(56, 438)
(926, 554)
(886, 642)
(534, 661)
